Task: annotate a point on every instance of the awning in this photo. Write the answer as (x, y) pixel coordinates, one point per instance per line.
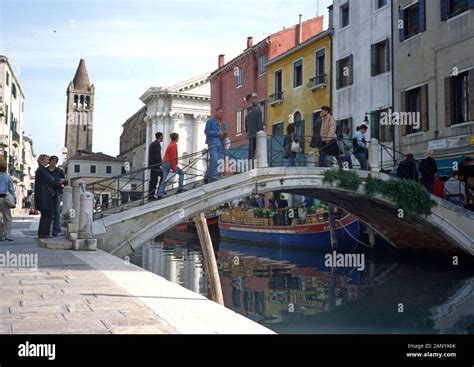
(446, 166)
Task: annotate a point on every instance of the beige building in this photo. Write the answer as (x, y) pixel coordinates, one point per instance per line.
(80, 112)
(15, 148)
(133, 140)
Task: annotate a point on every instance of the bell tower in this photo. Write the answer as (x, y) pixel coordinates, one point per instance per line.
(79, 112)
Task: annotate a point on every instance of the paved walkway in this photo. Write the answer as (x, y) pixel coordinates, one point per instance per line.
(97, 293)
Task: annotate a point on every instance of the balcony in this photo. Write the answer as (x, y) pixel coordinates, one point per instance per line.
(319, 81)
(4, 140)
(275, 98)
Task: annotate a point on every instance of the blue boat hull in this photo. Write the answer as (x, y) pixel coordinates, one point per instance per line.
(320, 240)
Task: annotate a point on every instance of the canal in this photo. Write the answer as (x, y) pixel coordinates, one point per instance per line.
(295, 292)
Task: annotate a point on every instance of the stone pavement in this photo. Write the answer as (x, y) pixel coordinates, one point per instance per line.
(74, 292)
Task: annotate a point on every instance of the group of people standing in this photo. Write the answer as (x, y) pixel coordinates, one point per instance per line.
(331, 147)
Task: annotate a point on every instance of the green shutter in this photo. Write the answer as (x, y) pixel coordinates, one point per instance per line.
(374, 126)
(373, 60)
(338, 74)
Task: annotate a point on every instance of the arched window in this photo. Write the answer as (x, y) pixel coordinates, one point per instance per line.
(88, 101)
(297, 116)
(81, 102)
(76, 100)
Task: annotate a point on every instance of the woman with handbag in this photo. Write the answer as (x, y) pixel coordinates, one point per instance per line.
(7, 202)
(290, 145)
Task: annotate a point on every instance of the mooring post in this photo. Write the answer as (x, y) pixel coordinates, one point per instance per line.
(332, 225)
(209, 258)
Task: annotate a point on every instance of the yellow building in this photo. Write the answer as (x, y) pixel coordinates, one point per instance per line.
(299, 83)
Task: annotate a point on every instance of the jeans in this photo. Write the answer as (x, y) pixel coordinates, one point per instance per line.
(291, 161)
(362, 161)
(46, 218)
(216, 156)
(154, 174)
(166, 171)
(57, 214)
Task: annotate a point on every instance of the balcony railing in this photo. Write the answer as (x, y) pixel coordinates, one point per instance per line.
(318, 81)
(276, 98)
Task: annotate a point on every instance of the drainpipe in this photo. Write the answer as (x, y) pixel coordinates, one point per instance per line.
(393, 82)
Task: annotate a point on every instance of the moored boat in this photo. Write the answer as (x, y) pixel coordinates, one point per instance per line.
(310, 232)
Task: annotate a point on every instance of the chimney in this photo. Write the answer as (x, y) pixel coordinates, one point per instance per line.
(299, 33)
(249, 42)
(331, 17)
(221, 60)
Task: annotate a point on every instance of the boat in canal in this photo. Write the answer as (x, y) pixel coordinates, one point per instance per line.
(290, 228)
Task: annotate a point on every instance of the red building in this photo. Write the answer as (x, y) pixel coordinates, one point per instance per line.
(234, 85)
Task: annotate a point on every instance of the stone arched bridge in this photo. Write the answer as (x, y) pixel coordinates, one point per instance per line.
(448, 228)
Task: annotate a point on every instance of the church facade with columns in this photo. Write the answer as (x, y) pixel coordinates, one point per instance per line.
(183, 108)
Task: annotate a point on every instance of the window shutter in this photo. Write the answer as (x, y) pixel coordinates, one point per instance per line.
(424, 108)
(388, 54)
(338, 74)
(444, 9)
(351, 127)
(374, 126)
(401, 30)
(422, 15)
(351, 70)
(403, 107)
(471, 94)
(447, 101)
(373, 60)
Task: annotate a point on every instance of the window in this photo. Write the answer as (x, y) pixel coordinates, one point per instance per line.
(14, 90)
(262, 64)
(320, 67)
(277, 128)
(317, 119)
(76, 101)
(413, 20)
(8, 78)
(124, 171)
(93, 169)
(344, 127)
(413, 106)
(460, 111)
(108, 170)
(381, 3)
(88, 101)
(451, 8)
(77, 168)
(298, 73)
(6, 114)
(381, 125)
(238, 76)
(239, 122)
(380, 57)
(344, 15)
(344, 76)
(278, 81)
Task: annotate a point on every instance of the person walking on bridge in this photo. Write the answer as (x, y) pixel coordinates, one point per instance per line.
(170, 163)
(253, 124)
(155, 165)
(216, 134)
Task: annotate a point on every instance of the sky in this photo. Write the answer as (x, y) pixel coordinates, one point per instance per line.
(129, 46)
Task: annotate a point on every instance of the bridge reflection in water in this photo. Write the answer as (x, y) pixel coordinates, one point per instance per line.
(294, 292)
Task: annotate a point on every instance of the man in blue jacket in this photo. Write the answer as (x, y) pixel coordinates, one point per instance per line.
(216, 134)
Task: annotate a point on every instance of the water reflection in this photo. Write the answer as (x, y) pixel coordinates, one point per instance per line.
(294, 292)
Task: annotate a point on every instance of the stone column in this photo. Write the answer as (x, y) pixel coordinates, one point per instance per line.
(261, 154)
(67, 206)
(374, 155)
(84, 239)
(73, 227)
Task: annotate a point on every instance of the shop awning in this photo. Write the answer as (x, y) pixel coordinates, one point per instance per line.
(445, 166)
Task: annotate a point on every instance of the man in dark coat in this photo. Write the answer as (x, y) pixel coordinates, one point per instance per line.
(407, 169)
(253, 124)
(45, 190)
(154, 163)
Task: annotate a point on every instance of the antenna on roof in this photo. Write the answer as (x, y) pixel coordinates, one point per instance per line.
(317, 8)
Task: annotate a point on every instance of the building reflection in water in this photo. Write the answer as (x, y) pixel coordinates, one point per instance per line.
(293, 291)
